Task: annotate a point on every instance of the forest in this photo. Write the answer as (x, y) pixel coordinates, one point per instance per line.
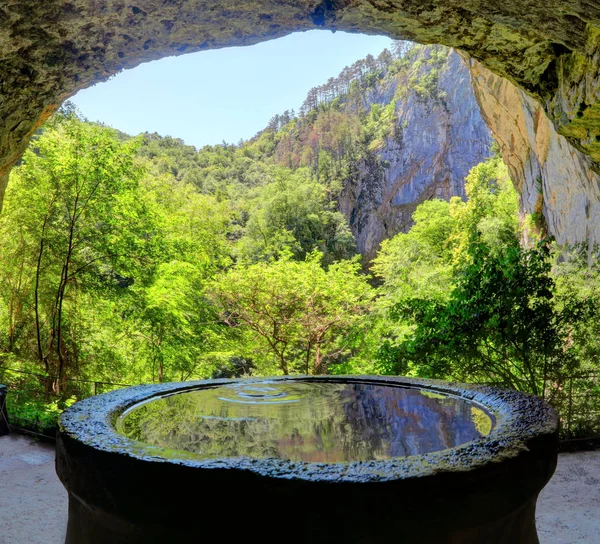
(128, 260)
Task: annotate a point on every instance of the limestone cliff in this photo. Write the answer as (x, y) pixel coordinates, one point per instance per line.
(439, 136)
(554, 179)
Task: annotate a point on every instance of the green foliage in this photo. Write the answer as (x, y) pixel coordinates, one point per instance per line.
(106, 275)
(499, 325)
(129, 260)
(463, 300)
(578, 296)
(118, 240)
(298, 312)
(26, 404)
(379, 125)
(491, 208)
(425, 74)
(295, 213)
(72, 201)
(419, 261)
(36, 415)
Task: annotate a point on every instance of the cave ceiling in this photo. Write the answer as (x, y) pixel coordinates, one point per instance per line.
(51, 49)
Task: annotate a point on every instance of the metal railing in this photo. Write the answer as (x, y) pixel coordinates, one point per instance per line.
(45, 379)
(37, 387)
(577, 401)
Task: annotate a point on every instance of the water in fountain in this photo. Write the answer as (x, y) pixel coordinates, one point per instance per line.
(305, 421)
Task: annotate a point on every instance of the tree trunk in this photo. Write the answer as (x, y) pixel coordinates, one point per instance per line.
(36, 301)
(283, 363)
(61, 295)
(318, 360)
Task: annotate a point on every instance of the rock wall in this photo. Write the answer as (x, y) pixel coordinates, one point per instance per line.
(438, 139)
(553, 178)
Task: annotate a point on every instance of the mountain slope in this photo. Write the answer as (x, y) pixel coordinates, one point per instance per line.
(439, 136)
(383, 136)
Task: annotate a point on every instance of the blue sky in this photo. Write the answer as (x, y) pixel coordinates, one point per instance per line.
(225, 94)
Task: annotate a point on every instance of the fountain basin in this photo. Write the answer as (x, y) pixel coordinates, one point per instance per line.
(3, 413)
(320, 459)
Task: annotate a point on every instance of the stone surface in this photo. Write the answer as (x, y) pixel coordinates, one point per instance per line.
(481, 491)
(49, 50)
(568, 506)
(552, 177)
(33, 502)
(438, 139)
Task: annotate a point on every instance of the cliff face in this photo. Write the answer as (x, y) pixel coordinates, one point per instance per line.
(438, 137)
(554, 179)
(441, 136)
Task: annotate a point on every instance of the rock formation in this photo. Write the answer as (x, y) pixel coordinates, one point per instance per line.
(438, 138)
(554, 179)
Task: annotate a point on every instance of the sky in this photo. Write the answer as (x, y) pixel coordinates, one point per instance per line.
(224, 94)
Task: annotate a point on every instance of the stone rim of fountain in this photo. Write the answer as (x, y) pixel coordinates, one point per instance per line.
(519, 418)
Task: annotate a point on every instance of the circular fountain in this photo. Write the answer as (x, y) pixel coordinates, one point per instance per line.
(320, 459)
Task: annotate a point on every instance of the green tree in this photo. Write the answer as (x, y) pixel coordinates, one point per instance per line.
(176, 327)
(302, 312)
(419, 261)
(295, 213)
(172, 317)
(73, 196)
(422, 265)
(500, 324)
(491, 208)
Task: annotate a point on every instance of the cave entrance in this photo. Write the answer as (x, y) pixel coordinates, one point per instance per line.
(52, 51)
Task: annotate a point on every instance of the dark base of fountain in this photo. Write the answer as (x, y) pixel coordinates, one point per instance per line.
(257, 510)
(4, 429)
(85, 526)
(480, 494)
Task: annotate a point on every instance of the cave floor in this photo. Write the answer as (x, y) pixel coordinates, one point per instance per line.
(33, 502)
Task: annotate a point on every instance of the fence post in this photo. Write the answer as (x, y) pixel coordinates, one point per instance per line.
(570, 409)
(4, 425)
(95, 388)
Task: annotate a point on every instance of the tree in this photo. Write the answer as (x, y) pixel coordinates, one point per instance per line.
(462, 299)
(295, 213)
(176, 323)
(419, 262)
(491, 208)
(300, 310)
(500, 324)
(73, 193)
(171, 316)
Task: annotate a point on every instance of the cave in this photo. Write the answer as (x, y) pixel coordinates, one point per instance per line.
(535, 68)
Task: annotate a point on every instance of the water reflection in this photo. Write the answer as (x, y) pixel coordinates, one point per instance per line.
(306, 421)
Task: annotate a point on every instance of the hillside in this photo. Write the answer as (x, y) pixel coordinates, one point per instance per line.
(383, 136)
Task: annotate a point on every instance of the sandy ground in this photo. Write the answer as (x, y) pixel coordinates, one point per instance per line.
(568, 510)
(33, 502)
